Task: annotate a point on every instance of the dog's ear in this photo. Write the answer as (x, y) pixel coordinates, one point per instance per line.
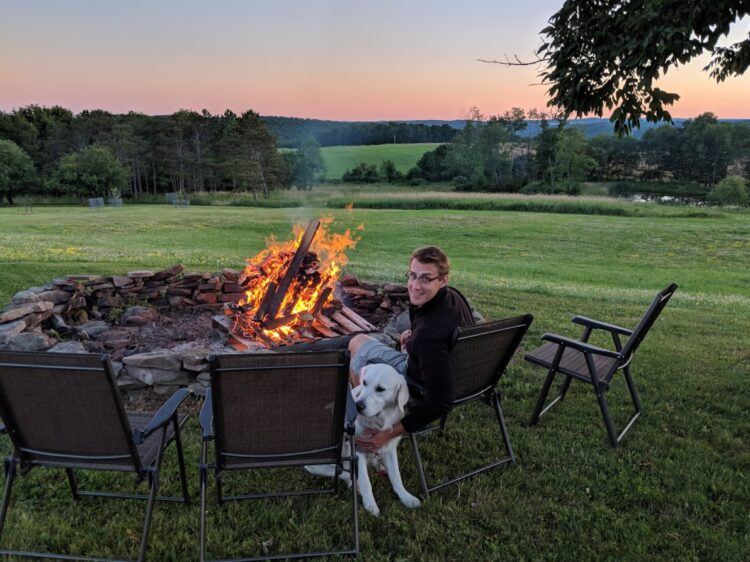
(403, 395)
(362, 372)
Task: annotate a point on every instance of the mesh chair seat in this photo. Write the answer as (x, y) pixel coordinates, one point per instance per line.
(277, 410)
(479, 358)
(606, 363)
(64, 411)
(572, 362)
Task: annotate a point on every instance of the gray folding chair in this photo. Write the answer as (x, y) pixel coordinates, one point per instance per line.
(65, 411)
(272, 411)
(578, 359)
(479, 357)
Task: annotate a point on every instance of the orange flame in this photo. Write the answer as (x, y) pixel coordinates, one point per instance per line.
(270, 265)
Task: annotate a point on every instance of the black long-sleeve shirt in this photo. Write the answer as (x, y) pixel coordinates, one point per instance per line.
(429, 348)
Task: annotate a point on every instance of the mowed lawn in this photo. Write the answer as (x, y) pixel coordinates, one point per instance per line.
(339, 159)
(678, 488)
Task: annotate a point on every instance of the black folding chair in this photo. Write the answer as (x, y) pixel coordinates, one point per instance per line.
(479, 357)
(578, 359)
(277, 410)
(65, 411)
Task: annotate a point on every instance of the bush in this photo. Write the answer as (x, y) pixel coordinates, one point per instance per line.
(362, 173)
(731, 191)
(461, 183)
(389, 173)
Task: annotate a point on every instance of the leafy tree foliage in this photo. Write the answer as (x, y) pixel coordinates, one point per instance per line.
(732, 190)
(17, 172)
(291, 132)
(186, 151)
(362, 173)
(609, 54)
(488, 155)
(308, 165)
(572, 163)
(92, 172)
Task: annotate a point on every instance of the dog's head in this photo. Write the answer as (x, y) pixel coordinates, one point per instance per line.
(380, 387)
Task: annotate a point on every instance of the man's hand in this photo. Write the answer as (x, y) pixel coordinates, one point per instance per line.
(405, 335)
(371, 439)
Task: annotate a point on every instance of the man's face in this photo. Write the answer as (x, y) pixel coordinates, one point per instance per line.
(424, 282)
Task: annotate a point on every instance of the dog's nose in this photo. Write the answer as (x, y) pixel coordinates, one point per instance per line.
(360, 406)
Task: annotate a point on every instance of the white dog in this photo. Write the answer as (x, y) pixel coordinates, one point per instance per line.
(380, 398)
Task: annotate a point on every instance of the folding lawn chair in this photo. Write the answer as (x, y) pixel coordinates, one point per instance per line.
(479, 357)
(578, 359)
(277, 410)
(65, 411)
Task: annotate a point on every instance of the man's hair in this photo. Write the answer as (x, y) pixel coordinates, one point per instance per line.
(433, 254)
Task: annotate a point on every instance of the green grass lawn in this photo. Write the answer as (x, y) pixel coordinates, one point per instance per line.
(678, 488)
(339, 159)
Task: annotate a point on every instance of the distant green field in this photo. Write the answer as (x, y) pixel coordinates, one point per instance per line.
(339, 159)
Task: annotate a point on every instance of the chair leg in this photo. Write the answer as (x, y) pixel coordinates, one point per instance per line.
(181, 460)
(607, 418)
(565, 386)
(154, 482)
(420, 466)
(503, 427)
(543, 397)
(217, 481)
(73, 483)
(203, 484)
(355, 498)
(10, 475)
(633, 390)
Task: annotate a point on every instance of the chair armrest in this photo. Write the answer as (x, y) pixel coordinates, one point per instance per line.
(162, 416)
(579, 345)
(596, 324)
(206, 417)
(351, 413)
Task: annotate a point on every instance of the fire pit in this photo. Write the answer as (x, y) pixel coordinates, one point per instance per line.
(159, 327)
(288, 293)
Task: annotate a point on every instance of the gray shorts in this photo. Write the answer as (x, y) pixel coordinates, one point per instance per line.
(373, 351)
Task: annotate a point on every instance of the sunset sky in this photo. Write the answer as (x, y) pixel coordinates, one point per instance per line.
(329, 59)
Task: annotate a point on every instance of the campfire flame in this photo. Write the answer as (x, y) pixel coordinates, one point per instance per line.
(310, 290)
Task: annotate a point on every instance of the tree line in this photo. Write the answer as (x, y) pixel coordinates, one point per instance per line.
(490, 155)
(51, 150)
(292, 132)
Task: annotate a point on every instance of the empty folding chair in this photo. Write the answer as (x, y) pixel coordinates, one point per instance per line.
(272, 411)
(578, 359)
(65, 411)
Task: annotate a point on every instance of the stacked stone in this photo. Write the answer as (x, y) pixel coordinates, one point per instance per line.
(165, 370)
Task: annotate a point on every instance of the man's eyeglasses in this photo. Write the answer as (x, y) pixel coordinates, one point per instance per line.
(421, 279)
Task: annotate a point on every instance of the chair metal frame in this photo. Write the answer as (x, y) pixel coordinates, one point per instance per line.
(213, 402)
(489, 394)
(26, 459)
(600, 381)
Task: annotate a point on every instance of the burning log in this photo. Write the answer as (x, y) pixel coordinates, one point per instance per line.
(293, 268)
(266, 302)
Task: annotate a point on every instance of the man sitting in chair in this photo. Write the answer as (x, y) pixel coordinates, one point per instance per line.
(436, 311)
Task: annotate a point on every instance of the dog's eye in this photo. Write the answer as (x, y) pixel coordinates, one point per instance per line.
(379, 389)
(364, 383)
